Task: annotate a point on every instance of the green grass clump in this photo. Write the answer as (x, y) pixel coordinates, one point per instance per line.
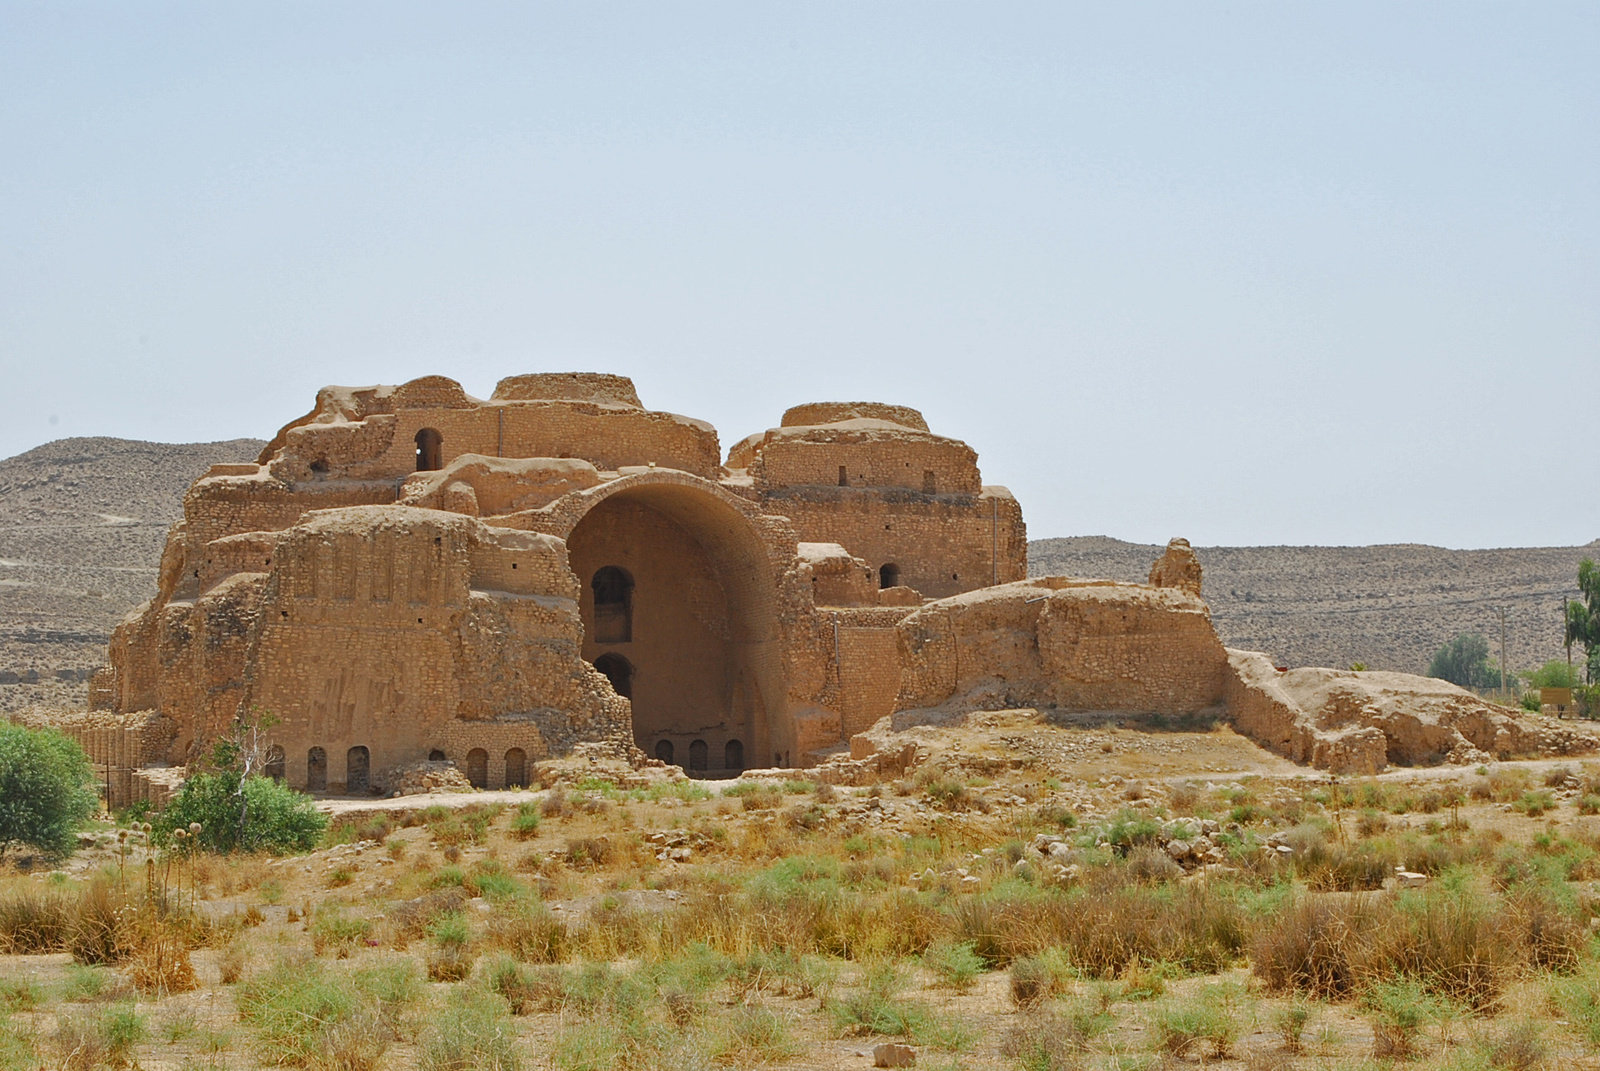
(525, 823)
(474, 1031)
(334, 931)
(99, 1037)
(1207, 1020)
(955, 964)
(305, 1015)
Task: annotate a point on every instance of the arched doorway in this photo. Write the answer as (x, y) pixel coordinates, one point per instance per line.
(664, 750)
(699, 754)
(889, 576)
(733, 755)
(430, 450)
(686, 568)
(516, 768)
(358, 771)
(316, 770)
(478, 768)
(436, 755)
(617, 670)
(275, 763)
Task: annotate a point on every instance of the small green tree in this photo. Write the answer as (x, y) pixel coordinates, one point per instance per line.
(1553, 674)
(1583, 618)
(236, 808)
(47, 789)
(1465, 661)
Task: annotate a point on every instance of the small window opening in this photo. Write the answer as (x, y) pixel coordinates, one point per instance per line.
(613, 605)
(733, 755)
(316, 770)
(697, 755)
(617, 670)
(928, 482)
(435, 755)
(430, 450)
(357, 771)
(320, 466)
(664, 751)
(478, 767)
(889, 576)
(844, 476)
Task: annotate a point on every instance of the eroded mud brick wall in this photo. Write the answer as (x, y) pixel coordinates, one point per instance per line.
(1056, 642)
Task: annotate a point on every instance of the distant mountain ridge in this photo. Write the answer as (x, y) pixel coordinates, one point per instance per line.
(1390, 606)
(82, 523)
(83, 520)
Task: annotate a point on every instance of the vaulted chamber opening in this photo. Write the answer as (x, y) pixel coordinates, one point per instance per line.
(679, 613)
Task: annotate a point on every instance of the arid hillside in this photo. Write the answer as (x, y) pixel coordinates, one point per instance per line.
(1388, 606)
(81, 527)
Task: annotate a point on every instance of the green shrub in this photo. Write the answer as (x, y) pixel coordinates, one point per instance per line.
(1399, 1011)
(1210, 1017)
(878, 1007)
(474, 1032)
(259, 815)
(334, 931)
(753, 1035)
(99, 1037)
(955, 964)
(303, 1014)
(525, 823)
(47, 789)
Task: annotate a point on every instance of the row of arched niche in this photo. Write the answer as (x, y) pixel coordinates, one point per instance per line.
(358, 768)
(700, 754)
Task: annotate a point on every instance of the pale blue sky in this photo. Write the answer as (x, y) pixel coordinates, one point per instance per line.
(1246, 273)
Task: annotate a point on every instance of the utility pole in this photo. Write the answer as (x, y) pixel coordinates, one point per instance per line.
(1502, 650)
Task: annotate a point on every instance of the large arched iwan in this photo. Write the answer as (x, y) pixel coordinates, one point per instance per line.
(702, 641)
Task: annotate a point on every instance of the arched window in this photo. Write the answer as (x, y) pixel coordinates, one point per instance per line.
(357, 771)
(697, 755)
(664, 750)
(930, 483)
(733, 756)
(619, 671)
(889, 576)
(316, 770)
(478, 767)
(435, 755)
(275, 762)
(430, 450)
(516, 768)
(613, 605)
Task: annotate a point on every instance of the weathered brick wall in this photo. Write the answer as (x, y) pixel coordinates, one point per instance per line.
(117, 746)
(1067, 644)
(942, 544)
(897, 458)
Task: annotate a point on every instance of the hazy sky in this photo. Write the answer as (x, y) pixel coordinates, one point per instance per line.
(1275, 273)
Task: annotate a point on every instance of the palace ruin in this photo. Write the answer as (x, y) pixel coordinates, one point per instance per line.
(409, 573)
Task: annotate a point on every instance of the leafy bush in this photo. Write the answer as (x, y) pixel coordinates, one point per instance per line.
(47, 789)
(259, 815)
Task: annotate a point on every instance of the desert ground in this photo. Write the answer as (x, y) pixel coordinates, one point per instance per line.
(1035, 892)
